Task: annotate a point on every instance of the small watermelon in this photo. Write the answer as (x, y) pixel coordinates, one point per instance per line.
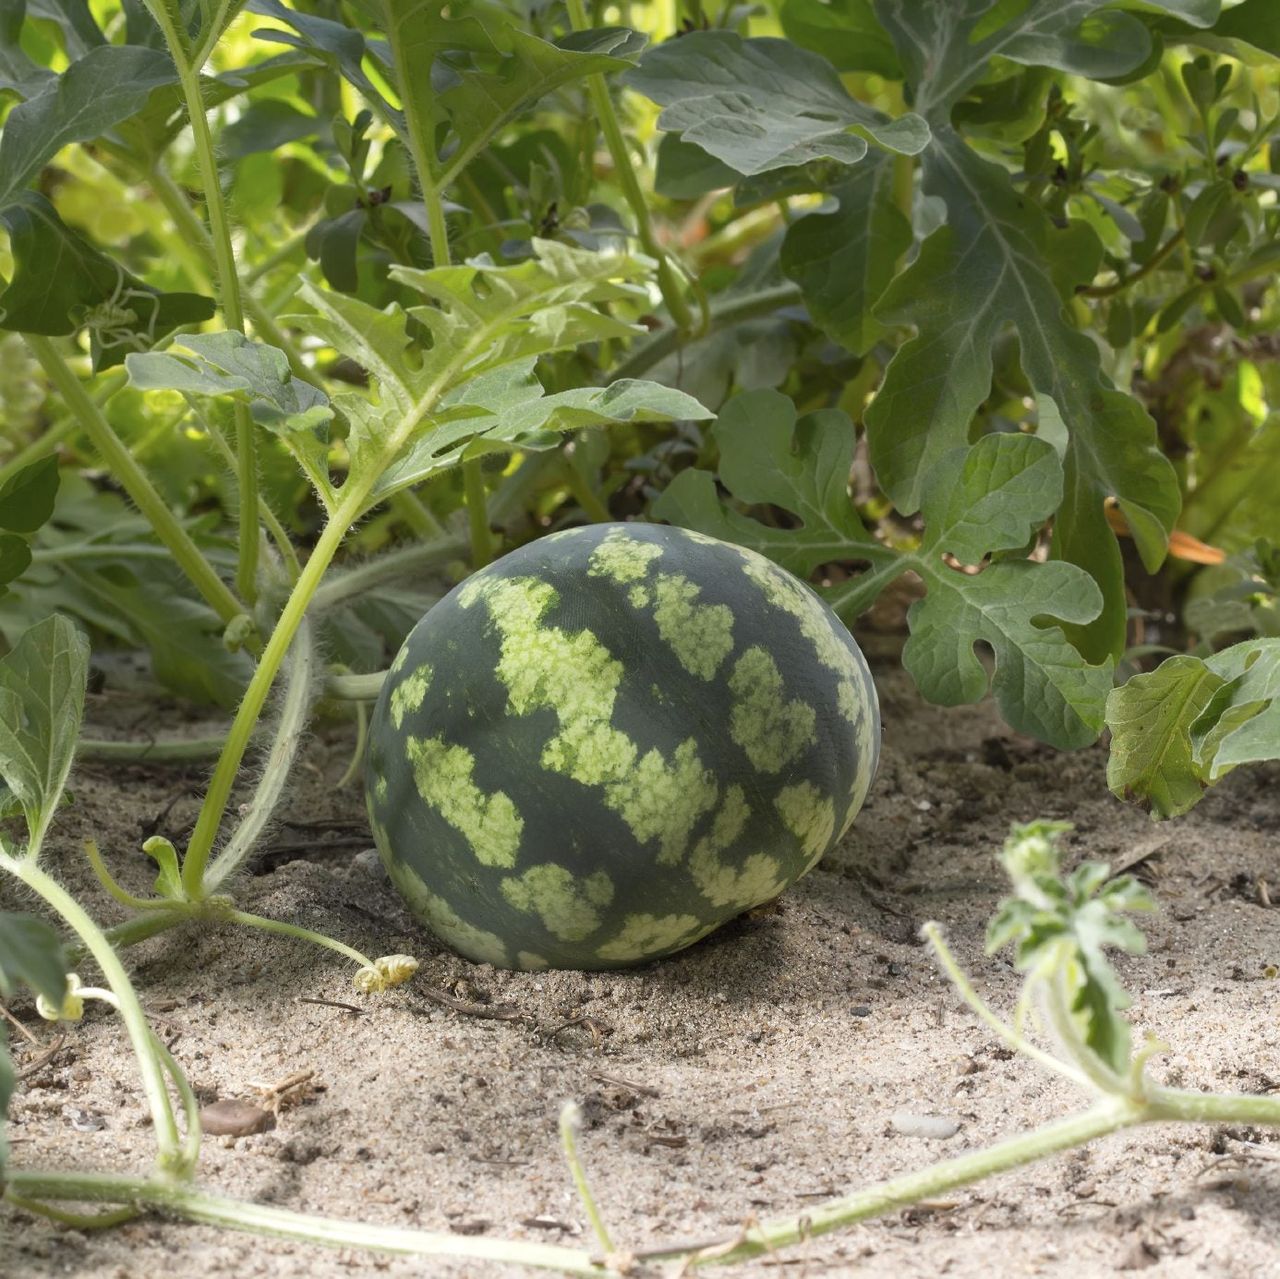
(604, 745)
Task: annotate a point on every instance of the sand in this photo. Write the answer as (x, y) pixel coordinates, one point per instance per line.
(752, 1076)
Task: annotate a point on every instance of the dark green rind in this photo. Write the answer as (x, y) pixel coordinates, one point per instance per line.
(659, 705)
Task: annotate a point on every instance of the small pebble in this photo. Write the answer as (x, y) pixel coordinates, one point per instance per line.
(231, 1118)
(937, 1127)
(370, 863)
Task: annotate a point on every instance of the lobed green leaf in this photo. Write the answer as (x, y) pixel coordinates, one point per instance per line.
(763, 104)
(977, 502)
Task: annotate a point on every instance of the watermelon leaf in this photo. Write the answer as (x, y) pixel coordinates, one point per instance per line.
(88, 289)
(1063, 925)
(1185, 725)
(230, 364)
(764, 104)
(989, 269)
(42, 685)
(844, 259)
(979, 503)
(98, 91)
(30, 952)
(510, 68)
(454, 376)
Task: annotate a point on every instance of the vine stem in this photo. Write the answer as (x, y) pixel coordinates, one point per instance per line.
(263, 321)
(570, 1125)
(126, 470)
(438, 230)
(217, 1210)
(900, 1192)
(294, 710)
(1124, 281)
(228, 286)
(387, 567)
(477, 513)
(295, 931)
(732, 310)
(607, 116)
(224, 774)
(151, 1064)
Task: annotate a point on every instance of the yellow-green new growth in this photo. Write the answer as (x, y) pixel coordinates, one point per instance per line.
(771, 729)
(577, 677)
(567, 905)
(489, 823)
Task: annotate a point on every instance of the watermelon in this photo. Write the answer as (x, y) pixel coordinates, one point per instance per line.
(607, 743)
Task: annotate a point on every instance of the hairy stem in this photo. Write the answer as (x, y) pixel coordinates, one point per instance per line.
(602, 104)
(197, 233)
(387, 567)
(355, 688)
(292, 724)
(228, 291)
(477, 513)
(297, 932)
(135, 482)
(900, 1192)
(279, 762)
(200, 846)
(932, 933)
(1124, 281)
(732, 310)
(570, 1124)
(418, 142)
(160, 750)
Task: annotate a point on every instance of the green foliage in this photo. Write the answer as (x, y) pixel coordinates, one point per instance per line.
(88, 289)
(97, 561)
(42, 683)
(26, 502)
(31, 953)
(1062, 926)
(758, 105)
(1188, 723)
(456, 377)
(979, 502)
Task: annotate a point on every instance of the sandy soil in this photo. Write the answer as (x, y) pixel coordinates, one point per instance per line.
(752, 1076)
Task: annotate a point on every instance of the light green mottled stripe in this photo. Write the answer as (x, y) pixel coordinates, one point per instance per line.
(792, 596)
(771, 729)
(408, 695)
(569, 907)
(700, 635)
(577, 677)
(489, 823)
(622, 558)
(644, 935)
(810, 816)
(758, 879)
(476, 943)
